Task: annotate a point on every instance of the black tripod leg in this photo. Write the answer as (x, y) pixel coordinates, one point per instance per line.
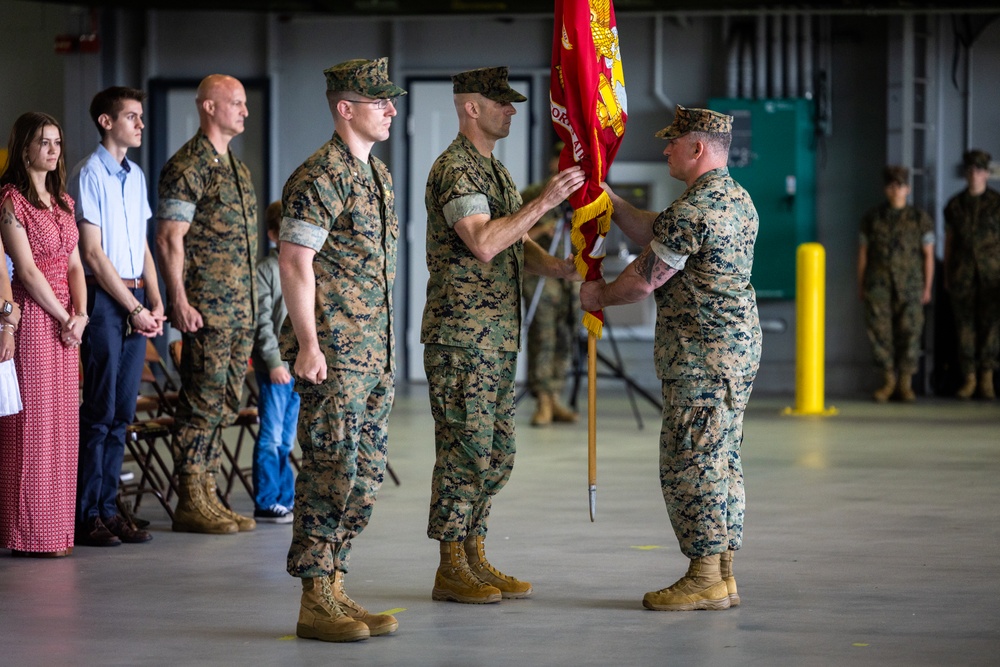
(642, 392)
(619, 370)
(524, 392)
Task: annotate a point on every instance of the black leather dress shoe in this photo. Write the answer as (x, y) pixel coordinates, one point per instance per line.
(93, 533)
(126, 531)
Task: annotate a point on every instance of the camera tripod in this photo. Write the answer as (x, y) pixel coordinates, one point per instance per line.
(615, 366)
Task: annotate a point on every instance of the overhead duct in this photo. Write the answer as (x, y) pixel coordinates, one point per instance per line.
(770, 57)
(760, 58)
(792, 55)
(776, 84)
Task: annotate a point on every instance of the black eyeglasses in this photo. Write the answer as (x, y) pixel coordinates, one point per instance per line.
(380, 103)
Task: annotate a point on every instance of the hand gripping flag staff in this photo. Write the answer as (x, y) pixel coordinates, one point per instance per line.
(589, 110)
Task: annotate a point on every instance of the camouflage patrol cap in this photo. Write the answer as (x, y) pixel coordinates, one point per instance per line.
(976, 158)
(696, 120)
(365, 77)
(895, 175)
(490, 82)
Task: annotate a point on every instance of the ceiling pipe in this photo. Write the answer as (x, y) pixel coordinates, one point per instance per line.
(746, 64)
(658, 69)
(777, 88)
(733, 44)
(807, 57)
(792, 55)
(760, 69)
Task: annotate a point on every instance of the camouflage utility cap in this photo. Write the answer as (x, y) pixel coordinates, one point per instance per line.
(976, 158)
(490, 82)
(366, 77)
(696, 120)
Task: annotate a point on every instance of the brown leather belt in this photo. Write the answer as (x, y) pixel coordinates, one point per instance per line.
(131, 283)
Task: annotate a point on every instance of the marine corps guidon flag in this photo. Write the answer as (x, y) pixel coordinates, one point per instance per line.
(587, 97)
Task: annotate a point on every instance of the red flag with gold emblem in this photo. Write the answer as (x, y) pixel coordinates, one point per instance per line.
(587, 98)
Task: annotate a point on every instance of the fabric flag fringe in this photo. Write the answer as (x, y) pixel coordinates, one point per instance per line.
(591, 224)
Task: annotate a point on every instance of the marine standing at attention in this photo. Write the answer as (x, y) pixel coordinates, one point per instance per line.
(477, 249)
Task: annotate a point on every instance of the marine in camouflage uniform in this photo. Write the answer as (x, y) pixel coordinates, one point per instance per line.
(895, 274)
(972, 271)
(697, 263)
(477, 252)
(212, 194)
(552, 330)
(339, 224)
(471, 331)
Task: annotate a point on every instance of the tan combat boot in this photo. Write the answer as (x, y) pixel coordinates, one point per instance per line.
(986, 385)
(193, 513)
(475, 554)
(905, 388)
(966, 391)
(320, 617)
(244, 523)
(701, 588)
(883, 393)
(561, 413)
(726, 572)
(543, 410)
(378, 624)
(455, 582)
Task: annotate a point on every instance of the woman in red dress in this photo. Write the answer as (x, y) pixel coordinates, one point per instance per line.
(39, 445)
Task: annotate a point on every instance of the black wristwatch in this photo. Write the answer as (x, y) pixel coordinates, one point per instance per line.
(7, 309)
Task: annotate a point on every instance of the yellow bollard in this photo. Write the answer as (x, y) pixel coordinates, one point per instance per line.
(810, 313)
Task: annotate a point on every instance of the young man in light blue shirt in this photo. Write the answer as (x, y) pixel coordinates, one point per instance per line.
(112, 210)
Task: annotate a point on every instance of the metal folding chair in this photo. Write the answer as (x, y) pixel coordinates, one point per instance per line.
(143, 439)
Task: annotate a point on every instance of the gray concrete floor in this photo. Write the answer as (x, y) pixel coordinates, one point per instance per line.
(871, 539)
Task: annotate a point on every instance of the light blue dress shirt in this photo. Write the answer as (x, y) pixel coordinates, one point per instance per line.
(113, 196)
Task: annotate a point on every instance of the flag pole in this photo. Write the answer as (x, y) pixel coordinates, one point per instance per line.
(592, 421)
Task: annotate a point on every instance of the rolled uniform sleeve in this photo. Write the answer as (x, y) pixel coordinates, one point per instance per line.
(179, 194)
(464, 206)
(678, 233)
(672, 259)
(311, 211)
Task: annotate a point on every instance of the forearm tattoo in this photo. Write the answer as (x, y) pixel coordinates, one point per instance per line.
(651, 269)
(645, 265)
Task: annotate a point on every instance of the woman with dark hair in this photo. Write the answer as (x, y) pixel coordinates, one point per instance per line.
(39, 445)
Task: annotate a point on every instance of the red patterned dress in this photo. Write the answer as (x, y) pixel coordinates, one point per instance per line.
(39, 445)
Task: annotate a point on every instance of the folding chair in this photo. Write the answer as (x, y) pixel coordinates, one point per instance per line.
(161, 402)
(156, 375)
(248, 421)
(155, 472)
